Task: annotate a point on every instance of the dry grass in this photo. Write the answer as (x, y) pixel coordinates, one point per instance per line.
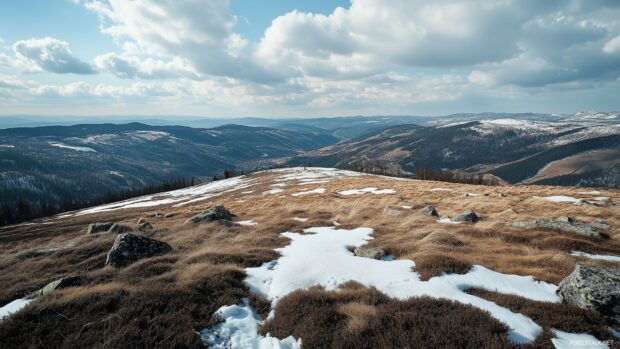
(166, 299)
(358, 317)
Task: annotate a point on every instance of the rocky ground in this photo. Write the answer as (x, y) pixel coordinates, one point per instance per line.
(320, 258)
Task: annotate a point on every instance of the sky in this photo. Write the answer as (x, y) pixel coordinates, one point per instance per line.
(293, 58)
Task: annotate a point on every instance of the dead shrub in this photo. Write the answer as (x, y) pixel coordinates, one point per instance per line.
(157, 314)
(325, 319)
(435, 264)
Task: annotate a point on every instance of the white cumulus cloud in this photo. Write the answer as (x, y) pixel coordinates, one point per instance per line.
(51, 55)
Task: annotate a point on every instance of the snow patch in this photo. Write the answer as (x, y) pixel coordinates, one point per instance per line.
(447, 220)
(565, 340)
(273, 191)
(560, 199)
(309, 192)
(248, 222)
(61, 145)
(596, 256)
(300, 219)
(13, 307)
(305, 182)
(367, 190)
(240, 330)
(327, 250)
(593, 192)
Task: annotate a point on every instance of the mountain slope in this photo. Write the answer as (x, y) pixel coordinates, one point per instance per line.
(511, 149)
(86, 161)
(290, 252)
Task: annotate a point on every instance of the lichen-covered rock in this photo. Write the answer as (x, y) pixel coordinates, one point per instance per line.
(99, 227)
(467, 216)
(564, 224)
(145, 226)
(65, 282)
(591, 287)
(600, 224)
(129, 248)
(429, 211)
(215, 213)
(369, 252)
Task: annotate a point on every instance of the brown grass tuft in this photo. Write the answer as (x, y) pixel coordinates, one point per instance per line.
(365, 318)
(435, 264)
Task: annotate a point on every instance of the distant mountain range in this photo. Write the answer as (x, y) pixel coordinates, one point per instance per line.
(86, 161)
(570, 151)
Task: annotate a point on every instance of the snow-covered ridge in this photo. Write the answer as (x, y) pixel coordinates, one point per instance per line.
(185, 196)
(487, 127)
(65, 146)
(127, 137)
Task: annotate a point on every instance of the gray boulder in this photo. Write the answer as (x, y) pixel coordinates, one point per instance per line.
(467, 216)
(145, 226)
(129, 248)
(429, 211)
(369, 252)
(119, 229)
(594, 288)
(215, 213)
(64, 282)
(95, 228)
(564, 224)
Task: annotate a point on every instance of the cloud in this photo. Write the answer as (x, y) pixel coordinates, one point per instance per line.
(51, 55)
(11, 82)
(133, 67)
(199, 32)
(105, 91)
(612, 46)
(369, 55)
(526, 43)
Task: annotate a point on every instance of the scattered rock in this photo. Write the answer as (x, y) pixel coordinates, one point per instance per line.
(591, 287)
(141, 220)
(129, 248)
(467, 216)
(215, 213)
(95, 228)
(501, 195)
(516, 199)
(566, 219)
(145, 226)
(119, 229)
(369, 252)
(64, 282)
(429, 211)
(564, 224)
(393, 213)
(168, 215)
